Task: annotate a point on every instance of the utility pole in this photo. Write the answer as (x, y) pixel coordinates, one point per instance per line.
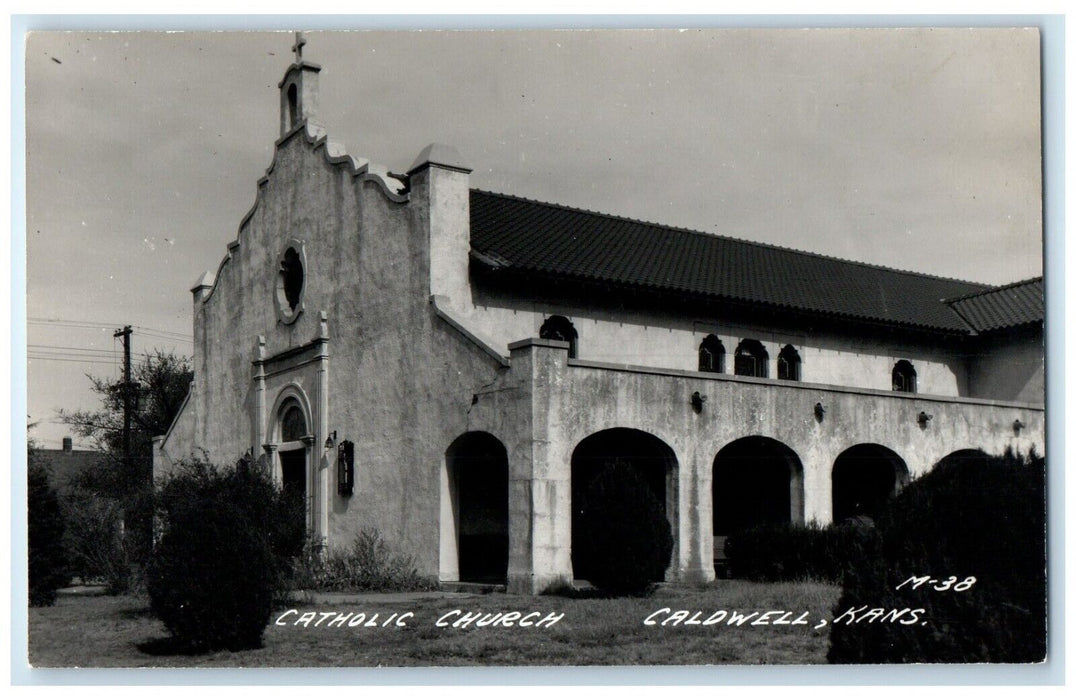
(125, 332)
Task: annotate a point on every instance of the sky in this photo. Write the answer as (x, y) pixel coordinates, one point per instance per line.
(917, 149)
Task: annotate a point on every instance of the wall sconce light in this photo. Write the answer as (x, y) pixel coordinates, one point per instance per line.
(1017, 426)
(330, 441)
(819, 411)
(924, 418)
(697, 400)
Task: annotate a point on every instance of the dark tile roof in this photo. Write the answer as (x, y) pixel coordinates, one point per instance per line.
(511, 233)
(1016, 304)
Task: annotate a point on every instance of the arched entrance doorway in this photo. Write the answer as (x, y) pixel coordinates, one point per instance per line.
(757, 480)
(865, 477)
(477, 465)
(293, 440)
(652, 460)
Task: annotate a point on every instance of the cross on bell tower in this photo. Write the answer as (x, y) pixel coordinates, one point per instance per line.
(297, 48)
(298, 90)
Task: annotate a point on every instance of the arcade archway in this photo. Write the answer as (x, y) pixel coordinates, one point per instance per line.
(865, 477)
(653, 461)
(477, 466)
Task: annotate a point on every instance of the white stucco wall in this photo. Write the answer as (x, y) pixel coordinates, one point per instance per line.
(671, 341)
(1009, 367)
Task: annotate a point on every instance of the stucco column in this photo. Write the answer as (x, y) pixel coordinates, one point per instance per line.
(694, 550)
(540, 487)
(257, 421)
(270, 460)
(817, 485)
(319, 454)
(449, 551)
(441, 198)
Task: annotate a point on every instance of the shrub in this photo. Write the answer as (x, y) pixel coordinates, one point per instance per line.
(248, 489)
(369, 564)
(626, 540)
(217, 569)
(981, 517)
(786, 552)
(95, 540)
(48, 559)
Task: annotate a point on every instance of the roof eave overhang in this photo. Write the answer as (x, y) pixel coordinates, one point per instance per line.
(503, 269)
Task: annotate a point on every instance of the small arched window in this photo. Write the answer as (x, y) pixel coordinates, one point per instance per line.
(292, 424)
(788, 364)
(904, 377)
(560, 328)
(711, 355)
(752, 360)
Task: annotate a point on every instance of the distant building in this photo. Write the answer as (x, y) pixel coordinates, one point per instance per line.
(68, 464)
(450, 366)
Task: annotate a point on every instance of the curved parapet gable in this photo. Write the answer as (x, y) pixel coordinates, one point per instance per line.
(335, 154)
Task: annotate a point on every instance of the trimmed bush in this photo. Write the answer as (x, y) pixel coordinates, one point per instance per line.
(219, 565)
(785, 552)
(982, 517)
(369, 564)
(48, 559)
(626, 538)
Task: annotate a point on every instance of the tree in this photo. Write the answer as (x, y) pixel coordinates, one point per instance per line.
(159, 384)
(48, 560)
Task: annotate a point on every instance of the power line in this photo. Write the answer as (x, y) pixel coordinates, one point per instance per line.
(158, 336)
(69, 347)
(146, 329)
(72, 359)
(78, 351)
(95, 325)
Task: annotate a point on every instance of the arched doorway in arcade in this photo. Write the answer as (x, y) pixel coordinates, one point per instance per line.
(756, 481)
(653, 461)
(865, 477)
(477, 466)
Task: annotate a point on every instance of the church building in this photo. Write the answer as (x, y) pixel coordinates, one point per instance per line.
(449, 366)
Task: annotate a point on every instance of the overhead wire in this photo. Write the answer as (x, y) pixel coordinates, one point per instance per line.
(97, 325)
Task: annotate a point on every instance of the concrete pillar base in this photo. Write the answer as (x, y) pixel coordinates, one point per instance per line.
(694, 575)
(537, 584)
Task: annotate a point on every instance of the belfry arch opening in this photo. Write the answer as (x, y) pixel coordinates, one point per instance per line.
(648, 456)
(756, 481)
(293, 106)
(476, 526)
(865, 478)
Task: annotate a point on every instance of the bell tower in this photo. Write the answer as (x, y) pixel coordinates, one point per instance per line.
(298, 90)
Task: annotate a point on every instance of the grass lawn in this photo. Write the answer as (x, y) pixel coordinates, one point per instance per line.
(99, 631)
